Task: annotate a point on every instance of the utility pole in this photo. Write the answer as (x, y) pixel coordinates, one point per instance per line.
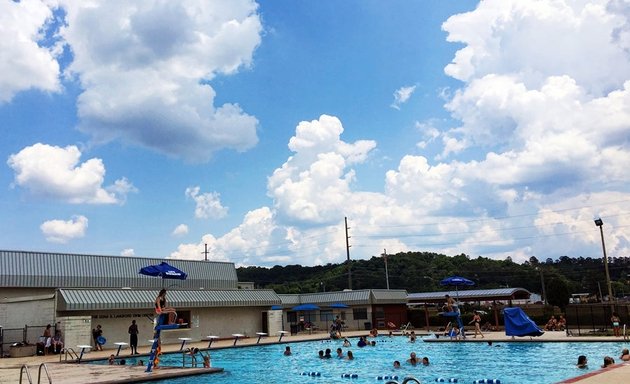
(348, 254)
(205, 252)
(386, 273)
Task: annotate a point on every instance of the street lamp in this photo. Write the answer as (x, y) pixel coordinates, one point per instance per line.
(600, 224)
(386, 273)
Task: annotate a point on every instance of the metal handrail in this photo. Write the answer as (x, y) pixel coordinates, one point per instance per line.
(193, 359)
(23, 369)
(71, 352)
(39, 373)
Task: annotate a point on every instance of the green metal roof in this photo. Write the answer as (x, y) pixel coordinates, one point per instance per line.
(106, 299)
(61, 270)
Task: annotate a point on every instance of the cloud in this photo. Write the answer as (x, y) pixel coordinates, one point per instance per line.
(538, 39)
(314, 184)
(180, 230)
(146, 82)
(26, 62)
(59, 231)
(208, 205)
(55, 173)
(128, 252)
(402, 95)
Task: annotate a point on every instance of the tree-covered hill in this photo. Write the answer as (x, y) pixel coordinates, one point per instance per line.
(422, 271)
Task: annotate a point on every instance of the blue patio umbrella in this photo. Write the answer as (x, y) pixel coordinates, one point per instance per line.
(305, 307)
(163, 270)
(456, 281)
(338, 305)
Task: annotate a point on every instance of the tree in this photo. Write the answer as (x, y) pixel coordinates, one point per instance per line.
(558, 292)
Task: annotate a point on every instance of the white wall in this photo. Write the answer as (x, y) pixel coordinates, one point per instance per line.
(222, 322)
(19, 307)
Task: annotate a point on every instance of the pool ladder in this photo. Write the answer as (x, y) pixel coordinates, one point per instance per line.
(24, 368)
(69, 351)
(408, 379)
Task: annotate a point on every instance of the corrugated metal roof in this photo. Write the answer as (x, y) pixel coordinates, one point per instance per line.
(60, 270)
(358, 297)
(289, 299)
(389, 296)
(106, 299)
(471, 294)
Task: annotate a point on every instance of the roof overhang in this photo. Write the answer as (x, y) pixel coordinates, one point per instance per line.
(108, 299)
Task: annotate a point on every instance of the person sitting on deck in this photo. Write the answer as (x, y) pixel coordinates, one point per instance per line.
(57, 343)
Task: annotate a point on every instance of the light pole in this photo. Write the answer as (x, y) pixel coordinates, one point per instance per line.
(386, 273)
(542, 283)
(600, 224)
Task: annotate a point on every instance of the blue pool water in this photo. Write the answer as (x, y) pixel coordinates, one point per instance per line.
(512, 363)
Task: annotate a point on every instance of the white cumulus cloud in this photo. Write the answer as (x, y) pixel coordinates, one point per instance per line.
(208, 205)
(128, 252)
(24, 62)
(180, 230)
(56, 173)
(60, 231)
(146, 80)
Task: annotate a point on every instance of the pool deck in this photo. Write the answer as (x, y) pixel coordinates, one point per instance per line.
(71, 373)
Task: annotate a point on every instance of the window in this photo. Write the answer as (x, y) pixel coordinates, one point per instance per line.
(359, 313)
(183, 317)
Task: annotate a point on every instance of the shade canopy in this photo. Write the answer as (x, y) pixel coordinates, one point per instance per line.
(456, 281)
(276, 307)
(305, 307)
(163, 270)
(338, 305)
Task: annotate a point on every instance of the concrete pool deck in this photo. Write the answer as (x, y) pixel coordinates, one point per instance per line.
(70, 373)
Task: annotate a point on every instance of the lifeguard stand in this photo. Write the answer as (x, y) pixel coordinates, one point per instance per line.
(159, 325)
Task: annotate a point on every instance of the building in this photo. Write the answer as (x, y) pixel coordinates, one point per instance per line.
(360, 309)
(77, 292)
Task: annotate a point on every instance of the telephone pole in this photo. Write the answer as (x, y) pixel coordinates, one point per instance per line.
(205, 253)
(348, 254)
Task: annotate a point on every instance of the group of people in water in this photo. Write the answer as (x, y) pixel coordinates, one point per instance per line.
(582, 362)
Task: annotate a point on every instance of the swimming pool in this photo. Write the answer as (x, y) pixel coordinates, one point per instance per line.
(512, 363)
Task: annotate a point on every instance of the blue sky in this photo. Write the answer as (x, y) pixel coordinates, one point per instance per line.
(495, 128)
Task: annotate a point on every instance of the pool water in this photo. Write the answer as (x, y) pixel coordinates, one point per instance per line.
(512, 363)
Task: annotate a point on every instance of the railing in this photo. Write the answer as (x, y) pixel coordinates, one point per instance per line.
(193, 359)
(23, 369)
(39, 373)
(69, 351)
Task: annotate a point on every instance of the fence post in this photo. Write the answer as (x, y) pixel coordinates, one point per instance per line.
(1, 342)
(24, 333)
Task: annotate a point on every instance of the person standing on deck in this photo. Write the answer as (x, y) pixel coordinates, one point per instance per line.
(133, 337)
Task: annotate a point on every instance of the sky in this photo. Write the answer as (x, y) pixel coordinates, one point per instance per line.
(256, 130)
